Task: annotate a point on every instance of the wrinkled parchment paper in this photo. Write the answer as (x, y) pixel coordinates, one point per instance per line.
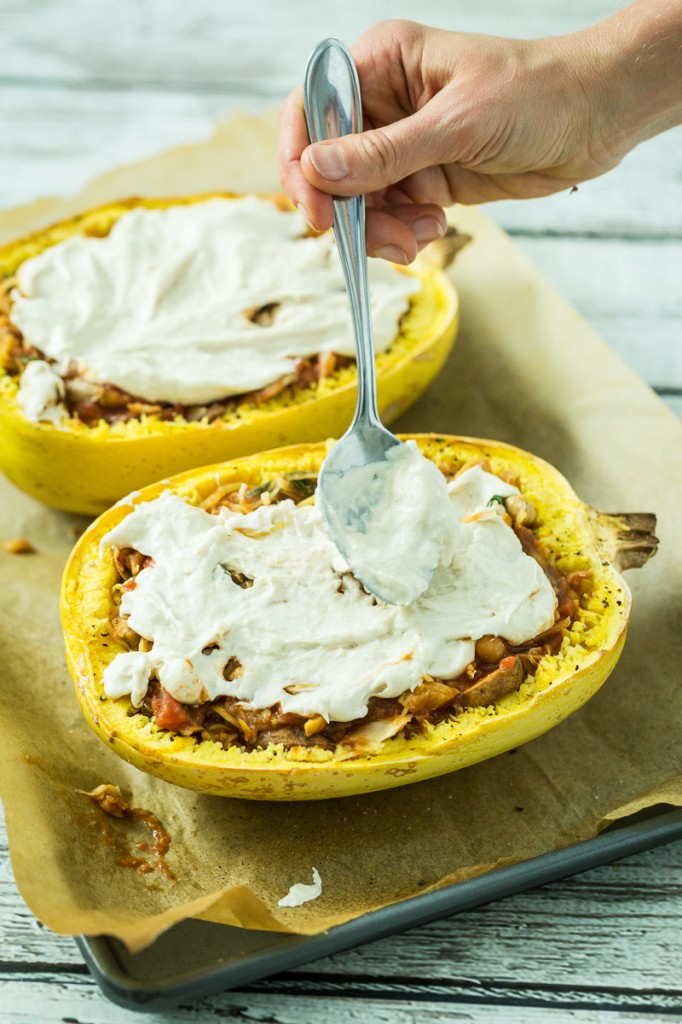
(525, 369)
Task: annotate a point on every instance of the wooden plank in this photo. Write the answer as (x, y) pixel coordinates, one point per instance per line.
(54, 141)
(672, 400)
(48, 999)
(630, 292)
(214, 44)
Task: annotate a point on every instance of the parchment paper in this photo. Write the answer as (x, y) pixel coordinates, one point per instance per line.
(526, 369)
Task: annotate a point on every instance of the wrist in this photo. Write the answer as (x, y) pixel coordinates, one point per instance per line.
(631, 70)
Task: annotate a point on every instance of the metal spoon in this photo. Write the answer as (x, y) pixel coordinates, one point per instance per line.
(354, 485)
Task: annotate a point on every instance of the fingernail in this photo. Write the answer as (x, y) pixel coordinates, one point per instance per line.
(425, 229)
(392, 253)
(304, 213)
(329, 161)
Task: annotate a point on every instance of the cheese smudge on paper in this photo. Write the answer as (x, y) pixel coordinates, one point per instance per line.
(301, 893)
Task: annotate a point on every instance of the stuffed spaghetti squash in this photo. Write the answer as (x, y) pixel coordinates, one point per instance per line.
(217, 642)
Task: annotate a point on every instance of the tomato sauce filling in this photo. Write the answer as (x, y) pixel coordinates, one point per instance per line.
(498, 668)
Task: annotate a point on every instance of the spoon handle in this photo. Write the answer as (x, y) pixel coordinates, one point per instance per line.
(331, 98)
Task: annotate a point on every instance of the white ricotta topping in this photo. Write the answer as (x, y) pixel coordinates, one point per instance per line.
(300, 893)
(159, 307)
(41, 391)
(390, 520)
(307, 635)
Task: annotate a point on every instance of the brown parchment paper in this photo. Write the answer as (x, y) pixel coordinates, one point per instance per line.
(526, 369)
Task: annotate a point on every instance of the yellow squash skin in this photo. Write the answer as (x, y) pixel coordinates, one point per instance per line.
(578, 538)
(86, 469)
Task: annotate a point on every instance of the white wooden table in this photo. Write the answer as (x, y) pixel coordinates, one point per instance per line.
(84, 86)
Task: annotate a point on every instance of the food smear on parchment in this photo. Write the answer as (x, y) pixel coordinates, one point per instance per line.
(142, 855)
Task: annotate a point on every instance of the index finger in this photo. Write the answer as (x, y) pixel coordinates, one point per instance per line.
(315, 206)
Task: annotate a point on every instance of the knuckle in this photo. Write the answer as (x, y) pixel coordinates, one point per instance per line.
(378, 152)
(397, 28)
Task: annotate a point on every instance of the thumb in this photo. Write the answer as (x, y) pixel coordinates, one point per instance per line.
(375, 159)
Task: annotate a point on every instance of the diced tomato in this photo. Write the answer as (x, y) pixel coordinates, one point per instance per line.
(171, 714)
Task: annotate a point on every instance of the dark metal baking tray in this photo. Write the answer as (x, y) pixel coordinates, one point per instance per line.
(196, 959)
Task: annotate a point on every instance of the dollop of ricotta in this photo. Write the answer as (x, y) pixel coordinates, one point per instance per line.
(303, 629)
(300, 893)
(161, 306)
(41, 393)
(390, 520)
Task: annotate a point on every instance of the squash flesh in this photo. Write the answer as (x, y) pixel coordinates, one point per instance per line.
(563, 682)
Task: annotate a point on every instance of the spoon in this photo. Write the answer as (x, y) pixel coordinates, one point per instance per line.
(362, 483)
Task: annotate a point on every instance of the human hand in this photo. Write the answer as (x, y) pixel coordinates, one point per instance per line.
(453, 117)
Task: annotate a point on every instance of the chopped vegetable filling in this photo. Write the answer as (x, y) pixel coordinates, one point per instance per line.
(497, 669)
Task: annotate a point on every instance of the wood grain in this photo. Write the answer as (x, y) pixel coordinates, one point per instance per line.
(214, 44)
(630, 293)
(86, 1007)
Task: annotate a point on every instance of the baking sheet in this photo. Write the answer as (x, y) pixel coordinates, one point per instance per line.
(216, 957)
(526, 369)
